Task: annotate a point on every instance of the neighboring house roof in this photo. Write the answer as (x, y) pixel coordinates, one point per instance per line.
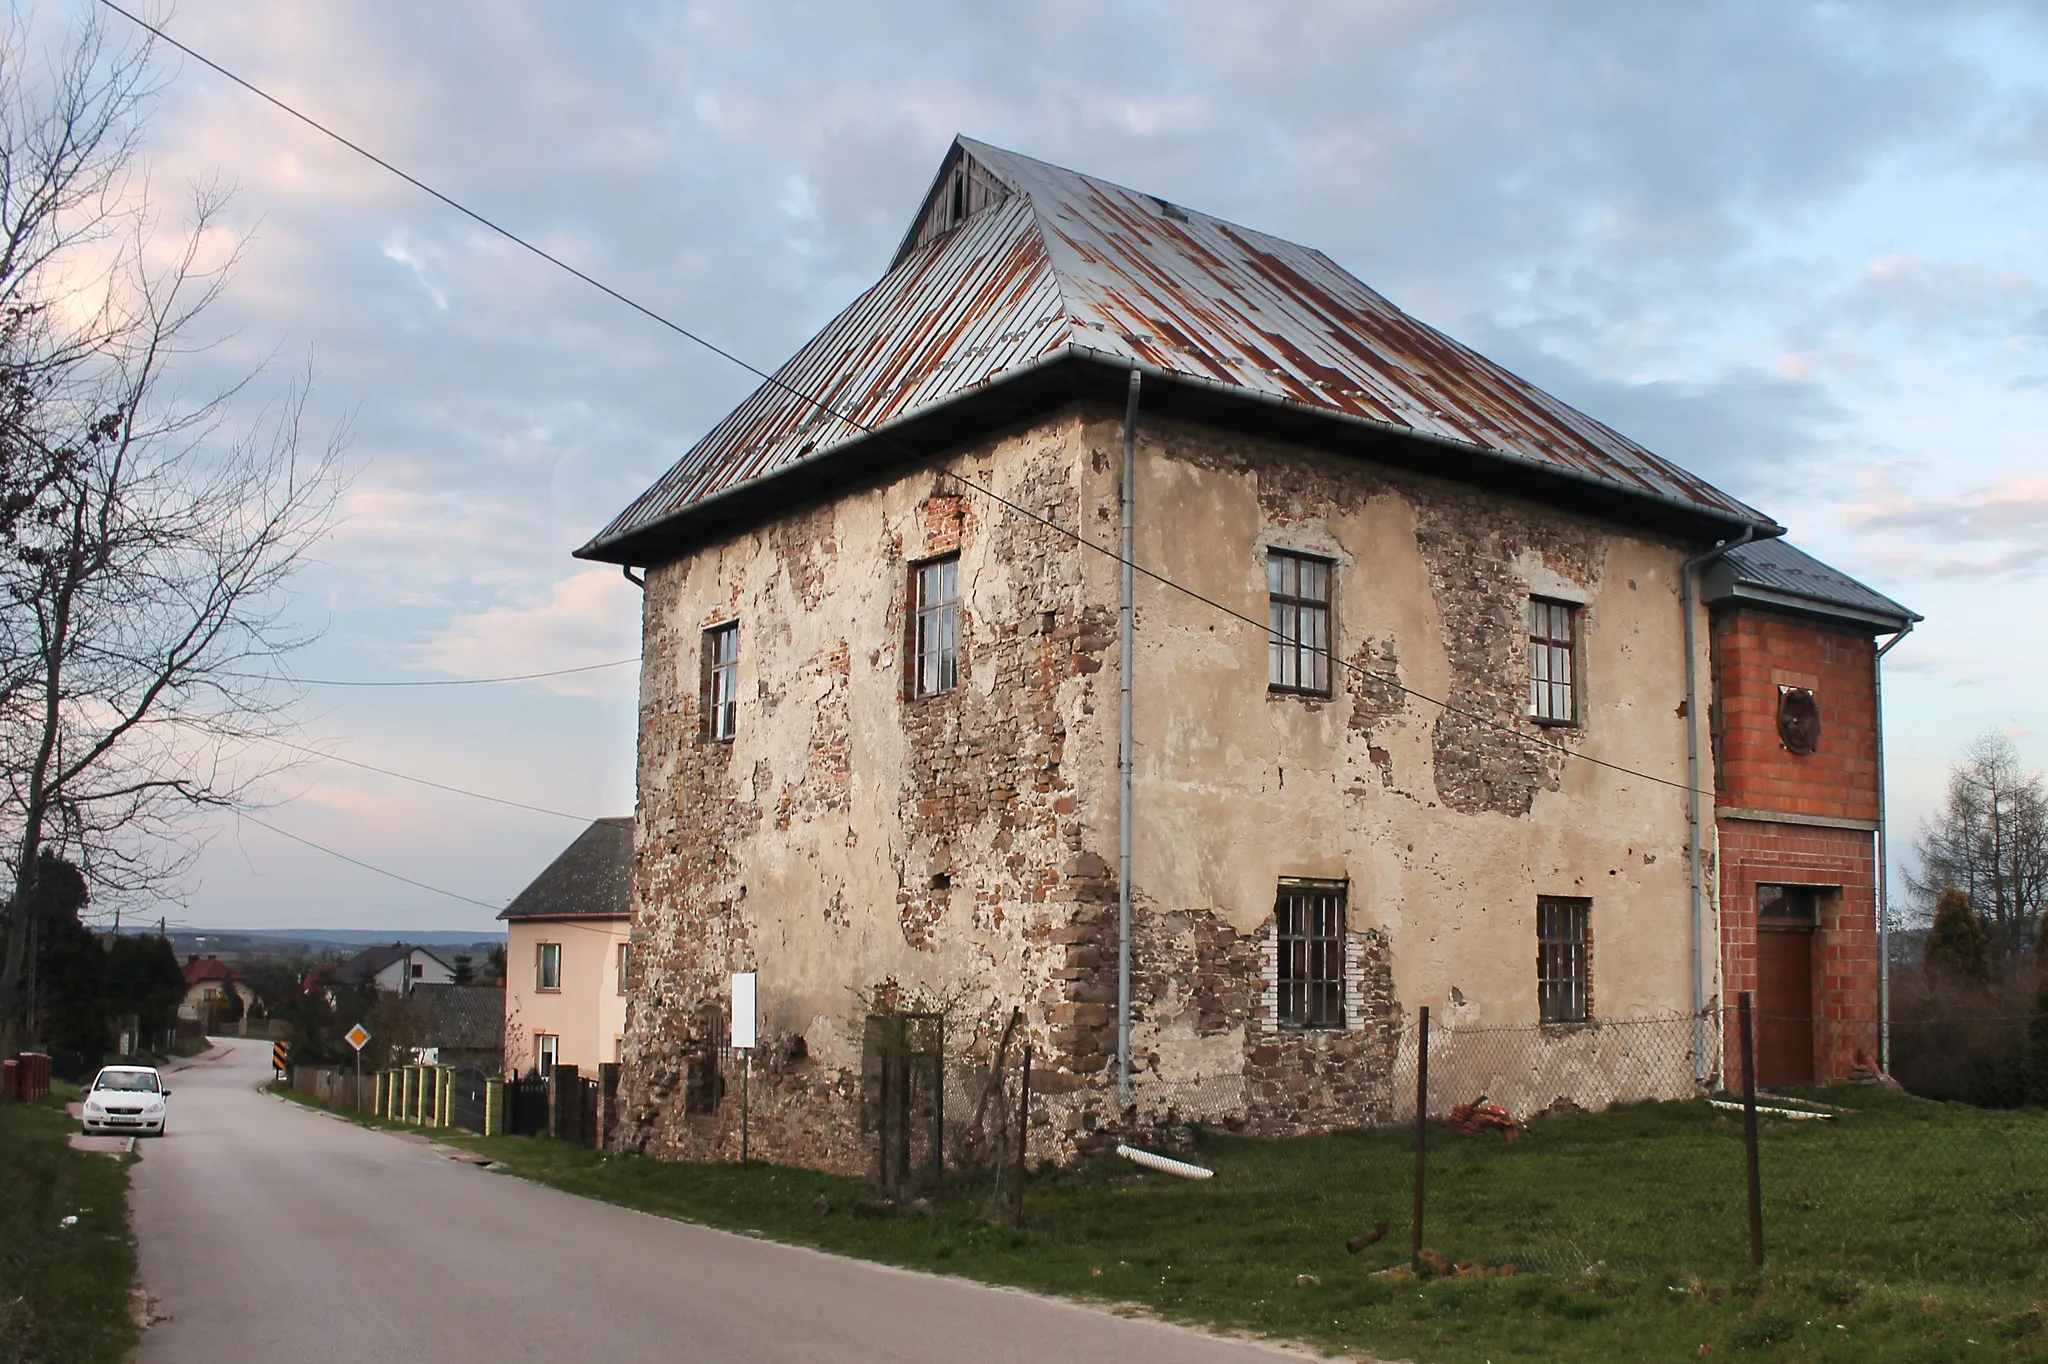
(592, 879)
(364, 965)
(199, 970)
(468, 1016)
(1775, 574)
(1054, 285)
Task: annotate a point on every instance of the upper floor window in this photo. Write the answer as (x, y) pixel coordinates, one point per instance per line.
(1564, 959)
(722, 681)
(547, 966)
(625, 962)
(1298, 642)
(1553, 641)
(1308, 931)
(937, 605)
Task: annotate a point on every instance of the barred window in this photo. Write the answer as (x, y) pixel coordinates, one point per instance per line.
(1308, 925)
(1553, 630)
(1564, 962)
(1298, 642)
(938, 628)
(722, 681)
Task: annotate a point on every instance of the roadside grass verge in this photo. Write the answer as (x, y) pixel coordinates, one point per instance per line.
(64, 1291)
(1906, 1232)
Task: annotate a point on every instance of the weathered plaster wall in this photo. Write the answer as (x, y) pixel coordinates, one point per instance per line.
(1449, 823)
(851, 840)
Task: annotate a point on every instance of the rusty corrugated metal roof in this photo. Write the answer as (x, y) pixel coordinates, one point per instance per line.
(1065, 264)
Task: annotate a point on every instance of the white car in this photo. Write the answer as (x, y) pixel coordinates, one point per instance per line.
(127, 1099)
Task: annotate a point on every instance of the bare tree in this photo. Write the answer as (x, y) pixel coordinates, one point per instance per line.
(147, 537)
(1990, 841)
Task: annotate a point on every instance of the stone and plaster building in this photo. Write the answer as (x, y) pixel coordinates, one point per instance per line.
(1412, 720)
(566, 956)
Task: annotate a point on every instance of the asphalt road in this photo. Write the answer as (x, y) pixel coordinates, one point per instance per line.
(271, 1232)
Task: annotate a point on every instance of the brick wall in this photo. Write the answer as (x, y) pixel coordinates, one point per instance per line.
(1845, 962)
(1756, 653)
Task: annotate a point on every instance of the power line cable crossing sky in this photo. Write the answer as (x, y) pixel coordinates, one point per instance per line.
(766, 376)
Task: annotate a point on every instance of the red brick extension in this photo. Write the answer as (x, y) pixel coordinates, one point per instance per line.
(1756, 652)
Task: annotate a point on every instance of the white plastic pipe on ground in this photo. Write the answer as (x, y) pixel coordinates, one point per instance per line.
(1166, 1165)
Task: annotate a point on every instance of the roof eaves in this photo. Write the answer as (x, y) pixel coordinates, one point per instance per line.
(669, 534)
(1798, 603)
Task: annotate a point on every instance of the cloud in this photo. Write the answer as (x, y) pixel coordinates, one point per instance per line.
(590, 616)
(1997, 531)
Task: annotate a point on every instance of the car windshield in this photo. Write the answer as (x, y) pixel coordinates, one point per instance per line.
(142, 1080)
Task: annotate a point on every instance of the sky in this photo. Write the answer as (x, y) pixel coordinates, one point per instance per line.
(1795, 247)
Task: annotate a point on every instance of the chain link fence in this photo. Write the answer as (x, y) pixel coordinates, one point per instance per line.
(1607, 1148)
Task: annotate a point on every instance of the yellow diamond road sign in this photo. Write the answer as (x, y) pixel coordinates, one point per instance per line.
(357, 1036)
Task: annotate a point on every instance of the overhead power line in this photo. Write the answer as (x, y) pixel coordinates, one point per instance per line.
(369, 866)
(321, 756)
(436, 681)
(1484, 721)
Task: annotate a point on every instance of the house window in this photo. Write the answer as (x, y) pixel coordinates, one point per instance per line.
(1564, 947)
(1553, 636)
(419, 971)
(1793, 907)
(1308, 933)
(547, 966)
(625, 960)
(546, 1046)
(722, 682)
(1298, 640)
(937, 655)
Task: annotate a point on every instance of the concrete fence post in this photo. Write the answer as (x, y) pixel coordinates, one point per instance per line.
(411, 1111)
(444, 1102)
(494, 1107)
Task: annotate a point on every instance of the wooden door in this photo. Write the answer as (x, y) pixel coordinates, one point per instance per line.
(1784, 1008)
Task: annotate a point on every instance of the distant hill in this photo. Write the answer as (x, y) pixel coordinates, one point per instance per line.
(252, 942)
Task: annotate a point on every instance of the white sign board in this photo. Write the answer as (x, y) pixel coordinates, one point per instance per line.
(743, 1008)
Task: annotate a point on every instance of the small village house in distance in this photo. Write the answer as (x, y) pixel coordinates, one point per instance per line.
(1445, 703)
(393, 969)
(566, 955)
(206, 979)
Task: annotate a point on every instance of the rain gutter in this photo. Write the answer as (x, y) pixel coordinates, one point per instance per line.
(1884, 863)
(1127, 501)
(1688, 574)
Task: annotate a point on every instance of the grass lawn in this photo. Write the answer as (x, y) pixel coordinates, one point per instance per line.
(63, 1290)
(1907, 1231)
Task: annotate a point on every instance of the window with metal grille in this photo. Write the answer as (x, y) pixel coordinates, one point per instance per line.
(937, 599)
(1564, 959)
(1298, 644)
(547, 966)
(1308, 924)
(722, 681)
(1553, 636)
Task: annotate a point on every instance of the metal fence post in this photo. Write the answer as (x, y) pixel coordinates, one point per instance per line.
(1756, 1187)
(1023, 1138)
(1421, 1137)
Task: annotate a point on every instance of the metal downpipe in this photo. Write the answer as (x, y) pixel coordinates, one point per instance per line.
(1687, 575)
(1884, 862)
(1127, 506)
